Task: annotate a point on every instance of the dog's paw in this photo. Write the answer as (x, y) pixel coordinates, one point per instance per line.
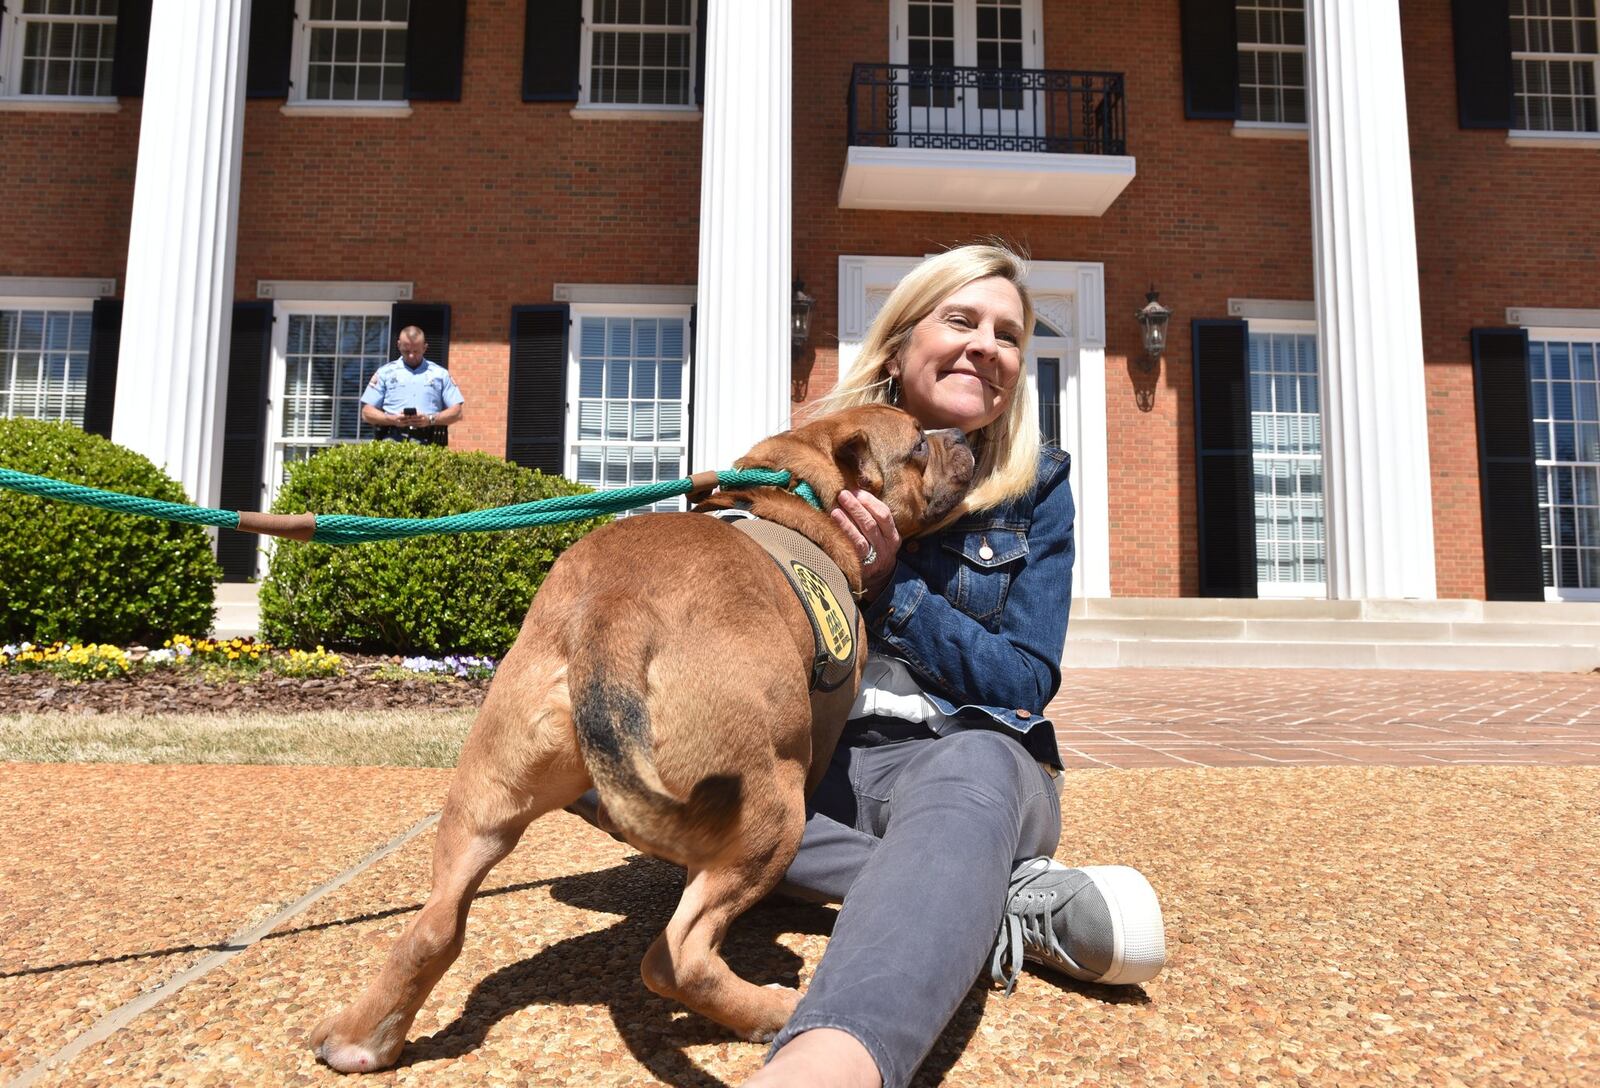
(343, 1056)
(780, 1005)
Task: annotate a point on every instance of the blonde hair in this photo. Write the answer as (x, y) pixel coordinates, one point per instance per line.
(1008, 447)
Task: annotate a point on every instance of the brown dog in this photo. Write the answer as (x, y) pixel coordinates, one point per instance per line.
(666, 661)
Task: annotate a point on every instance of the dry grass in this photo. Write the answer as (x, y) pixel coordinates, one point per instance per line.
(395, 738)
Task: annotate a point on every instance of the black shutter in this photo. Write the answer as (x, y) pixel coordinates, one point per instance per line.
(552, 36)
(271, 41)
(1513, 561)
(1210, 60)
(433, 318)
(100, 393)
(436, 37)
(700, 53)
(1224, 465)
(131, 49)
(1483, 62)
(536, 409)
(244, 437)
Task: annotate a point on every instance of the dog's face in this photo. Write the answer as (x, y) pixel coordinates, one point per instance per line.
(920, 475)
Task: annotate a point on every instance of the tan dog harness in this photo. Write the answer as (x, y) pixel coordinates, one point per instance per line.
(822, 589)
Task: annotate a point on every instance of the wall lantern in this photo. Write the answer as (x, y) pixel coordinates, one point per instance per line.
(1153, 318)
(800, 316)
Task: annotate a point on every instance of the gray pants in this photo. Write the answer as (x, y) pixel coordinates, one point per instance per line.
(917, 837)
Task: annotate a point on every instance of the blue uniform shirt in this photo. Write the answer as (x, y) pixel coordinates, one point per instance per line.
(395, 387)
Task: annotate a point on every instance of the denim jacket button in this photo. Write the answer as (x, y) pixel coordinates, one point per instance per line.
(986, 552)
(1024, 715)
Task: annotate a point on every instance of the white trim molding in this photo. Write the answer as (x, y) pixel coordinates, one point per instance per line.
(335, 290)
(41, 104)
(1272, 309)
(392, 111)
(989, 182)
(1573, 141)
(1532, 317)
(1271, 130)
(602, 112)
(653, 294)
(57, 287)
(1377, 481)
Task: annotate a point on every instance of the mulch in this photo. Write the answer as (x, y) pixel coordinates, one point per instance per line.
(173, 692)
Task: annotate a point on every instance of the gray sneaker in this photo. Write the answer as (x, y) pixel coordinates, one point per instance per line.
(1101, 923)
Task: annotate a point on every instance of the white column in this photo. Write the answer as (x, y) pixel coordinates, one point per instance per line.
(742, 348)
(172, 376)
(1369, 318)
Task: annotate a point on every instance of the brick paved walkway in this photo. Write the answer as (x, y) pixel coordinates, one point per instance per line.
(1239, 717)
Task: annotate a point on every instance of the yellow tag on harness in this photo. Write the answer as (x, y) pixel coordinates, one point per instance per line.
(837, 636)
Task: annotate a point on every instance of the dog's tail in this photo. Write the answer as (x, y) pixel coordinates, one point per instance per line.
(612, 721)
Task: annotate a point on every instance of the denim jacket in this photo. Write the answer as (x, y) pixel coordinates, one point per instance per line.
(978, 611)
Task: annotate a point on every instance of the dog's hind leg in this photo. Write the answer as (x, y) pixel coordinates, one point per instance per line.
(513, 769)
(685, 963)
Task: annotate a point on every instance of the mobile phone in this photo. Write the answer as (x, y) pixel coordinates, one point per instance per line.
(408, 412)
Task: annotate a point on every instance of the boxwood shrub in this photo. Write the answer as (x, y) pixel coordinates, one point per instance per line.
(77, 573)
(466, 593)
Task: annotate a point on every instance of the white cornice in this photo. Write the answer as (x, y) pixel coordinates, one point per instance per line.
(57, 287)
(334, 290)
(647, 294)
(1533, 317)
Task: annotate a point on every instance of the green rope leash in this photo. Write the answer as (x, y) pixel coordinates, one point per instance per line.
(353, 529)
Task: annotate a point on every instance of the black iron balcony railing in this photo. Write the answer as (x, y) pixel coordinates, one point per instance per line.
(988, 109)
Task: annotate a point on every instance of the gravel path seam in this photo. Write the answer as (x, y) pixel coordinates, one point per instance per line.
(241, 941)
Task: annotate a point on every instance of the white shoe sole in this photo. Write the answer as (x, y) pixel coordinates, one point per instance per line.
(1139, 939)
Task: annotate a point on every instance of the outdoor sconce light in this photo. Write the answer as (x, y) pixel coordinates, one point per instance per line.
(1153, 320)
(800, 316)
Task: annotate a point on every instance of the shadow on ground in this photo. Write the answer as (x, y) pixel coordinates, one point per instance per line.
(656, 1031)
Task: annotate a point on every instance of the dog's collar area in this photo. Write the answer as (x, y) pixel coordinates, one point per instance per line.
(795, 486)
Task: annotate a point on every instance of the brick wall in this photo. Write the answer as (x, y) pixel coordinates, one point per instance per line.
(488, 202)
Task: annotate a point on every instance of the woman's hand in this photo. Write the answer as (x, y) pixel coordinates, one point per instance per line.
(870, 526)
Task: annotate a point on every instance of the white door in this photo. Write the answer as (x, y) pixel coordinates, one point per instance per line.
(993, 36)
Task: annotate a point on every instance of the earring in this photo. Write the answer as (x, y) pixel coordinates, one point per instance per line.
(894, 391)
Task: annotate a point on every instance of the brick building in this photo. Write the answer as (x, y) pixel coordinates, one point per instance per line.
(1375, 224)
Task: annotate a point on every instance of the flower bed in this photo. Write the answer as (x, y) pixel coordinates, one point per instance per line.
(189, 675)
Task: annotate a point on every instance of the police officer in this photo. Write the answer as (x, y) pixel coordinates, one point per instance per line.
(412, 399)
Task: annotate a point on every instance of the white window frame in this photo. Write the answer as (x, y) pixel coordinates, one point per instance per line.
(636, 110)
(13, 34)
(272, 463)
(1282, 129)
(1589, 334)
(300, 74)
(569, 427)
(49, 304)
(1556, 134)
(1295, 590)
(916, 119)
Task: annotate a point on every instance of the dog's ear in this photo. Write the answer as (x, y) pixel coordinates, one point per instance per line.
(853, 454)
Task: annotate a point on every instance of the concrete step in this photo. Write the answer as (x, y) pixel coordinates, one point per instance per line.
(1092, 653)
(238, 614)
(1447, 611)
(1324, 630)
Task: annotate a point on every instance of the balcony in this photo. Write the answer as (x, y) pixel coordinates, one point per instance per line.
(1011, 141)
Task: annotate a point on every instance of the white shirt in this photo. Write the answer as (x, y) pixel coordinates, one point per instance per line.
(889, 690)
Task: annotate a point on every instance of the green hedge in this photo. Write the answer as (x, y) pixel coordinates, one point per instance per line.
(435, 594)
(76, 573)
